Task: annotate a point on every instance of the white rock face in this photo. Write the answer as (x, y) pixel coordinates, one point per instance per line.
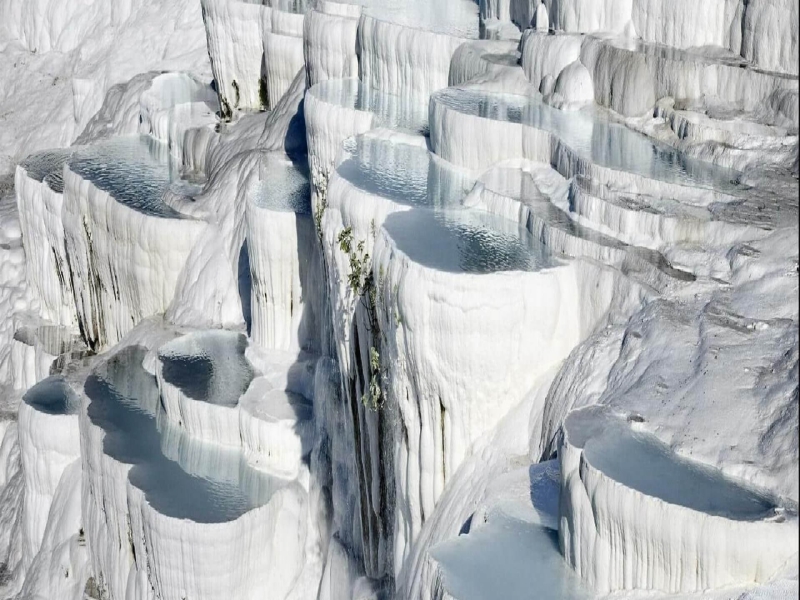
(174, 104)
(255, 50)
(780, 20)
(582, 16)
(118, 276)
(234, 34)
(329, 45)
(573, 88)
(40, 201)
(285, 270)
(153, 523)
(445, 405)
(283, 53)
(361, 312)
(426, 57)
(614, 514)
(544, 55)
(49, 443)
(71, 55)
(494, 63)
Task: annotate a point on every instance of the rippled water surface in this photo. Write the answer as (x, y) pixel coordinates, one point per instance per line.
(283, 187)
(135, 170)
(48, 166)
(210, 366)
(403, 173)
(467, 241)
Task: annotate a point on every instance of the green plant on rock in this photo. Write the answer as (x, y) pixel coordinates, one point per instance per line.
(359, 276)
(361, 282)
(372, 398)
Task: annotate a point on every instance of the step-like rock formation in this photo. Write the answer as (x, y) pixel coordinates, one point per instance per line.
(359, 317)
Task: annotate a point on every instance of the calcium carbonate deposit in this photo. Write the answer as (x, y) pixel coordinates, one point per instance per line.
(399, 299)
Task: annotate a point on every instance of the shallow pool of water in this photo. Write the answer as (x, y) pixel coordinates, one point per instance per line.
(642, 462)
(466, 241)
(514, 554)
(136, 170)
(52, 396)
(284, 187)
(182, 477)
(594, 137)
(48, 166)
(209, 367)
(403, 173)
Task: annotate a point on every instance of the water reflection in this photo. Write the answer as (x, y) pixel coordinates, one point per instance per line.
(408, 112)
(209, 366)
(593, 137)
(181, 476)
(52, 396)
(403, 173)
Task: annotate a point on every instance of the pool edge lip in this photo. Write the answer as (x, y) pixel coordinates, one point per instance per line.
(781, 510)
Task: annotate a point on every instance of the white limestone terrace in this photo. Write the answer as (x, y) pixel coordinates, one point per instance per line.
(720, 26)
(40, 349)
(425, 34)
(154, 488)
(174, 104)
(395, 112)
(380, 199)
(466, 241)
(40, 185)
(49, 442)
(533, 196)
(622, 487)
(629, 75)
(285, 264)
(134, 170)
(580, 140)
(509, 548)
(406, 174)
(458, 19)
(40, 165)
(126, 246)
(386, 336)
(680, 73)
(657, 221)
(336, 110)
(201, 377)
(53, 339)
(123, 402)
(256, 49)
(277, 429)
